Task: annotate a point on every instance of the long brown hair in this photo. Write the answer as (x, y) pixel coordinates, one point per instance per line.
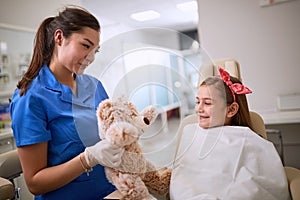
(242, 117)
(70, 20)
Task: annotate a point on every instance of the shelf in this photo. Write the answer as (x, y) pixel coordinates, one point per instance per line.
(5, 94)
(6, 133)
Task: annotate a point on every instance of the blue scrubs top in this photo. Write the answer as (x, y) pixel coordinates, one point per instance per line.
(49, 112)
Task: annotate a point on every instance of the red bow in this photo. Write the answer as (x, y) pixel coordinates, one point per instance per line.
(236, 88)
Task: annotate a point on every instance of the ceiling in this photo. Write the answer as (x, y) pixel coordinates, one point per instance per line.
(117, 13)
(111, 13)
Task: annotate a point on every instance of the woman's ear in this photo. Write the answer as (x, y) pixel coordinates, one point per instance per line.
(58, 36)
(232, 109)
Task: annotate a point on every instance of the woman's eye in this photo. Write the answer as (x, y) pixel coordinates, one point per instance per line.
(86, 46)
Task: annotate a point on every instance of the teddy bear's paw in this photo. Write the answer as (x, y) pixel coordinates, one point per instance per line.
(128, 197)
(135, 196)
(125, 189)
(166, 173)
(124, 185)
(133, 187)
(158, 181)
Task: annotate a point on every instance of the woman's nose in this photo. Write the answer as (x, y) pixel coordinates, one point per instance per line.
(90, 57)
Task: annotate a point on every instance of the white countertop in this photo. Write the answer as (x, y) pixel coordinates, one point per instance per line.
(281, 117)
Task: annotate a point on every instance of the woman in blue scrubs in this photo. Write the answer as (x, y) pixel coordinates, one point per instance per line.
(53, 112)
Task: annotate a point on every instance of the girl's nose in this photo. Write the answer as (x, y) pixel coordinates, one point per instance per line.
(199, 107)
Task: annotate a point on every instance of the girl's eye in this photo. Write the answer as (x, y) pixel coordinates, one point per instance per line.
(205, 102)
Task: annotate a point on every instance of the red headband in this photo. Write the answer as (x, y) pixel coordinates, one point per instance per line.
(236, 88)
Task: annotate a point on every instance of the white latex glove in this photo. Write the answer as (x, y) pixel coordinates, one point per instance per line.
(103, 153)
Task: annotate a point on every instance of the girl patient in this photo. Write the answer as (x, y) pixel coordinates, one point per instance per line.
(221, 157)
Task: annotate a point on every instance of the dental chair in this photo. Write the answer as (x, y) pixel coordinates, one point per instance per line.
(10, 168)
(233, 67)
(6, 189)
(293, 174)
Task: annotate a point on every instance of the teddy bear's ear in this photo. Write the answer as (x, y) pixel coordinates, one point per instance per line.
(150, 113)
(103, 109)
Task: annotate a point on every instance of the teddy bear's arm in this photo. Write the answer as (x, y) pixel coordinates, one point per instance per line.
(131, 186)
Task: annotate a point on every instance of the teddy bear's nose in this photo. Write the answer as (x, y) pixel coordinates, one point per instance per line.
(146, 121)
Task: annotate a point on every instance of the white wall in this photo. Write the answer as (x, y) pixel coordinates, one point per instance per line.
(30, 13)
(116, 41)
(265, 40)
(18, 23)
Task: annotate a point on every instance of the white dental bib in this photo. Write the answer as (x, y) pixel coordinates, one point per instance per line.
(227, 163)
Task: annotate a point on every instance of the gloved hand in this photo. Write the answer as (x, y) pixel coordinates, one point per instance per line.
(103, 153)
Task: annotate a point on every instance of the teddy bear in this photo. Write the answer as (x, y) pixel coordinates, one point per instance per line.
(121, 124)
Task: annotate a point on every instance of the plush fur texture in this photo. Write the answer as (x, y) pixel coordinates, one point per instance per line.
(122, 124)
